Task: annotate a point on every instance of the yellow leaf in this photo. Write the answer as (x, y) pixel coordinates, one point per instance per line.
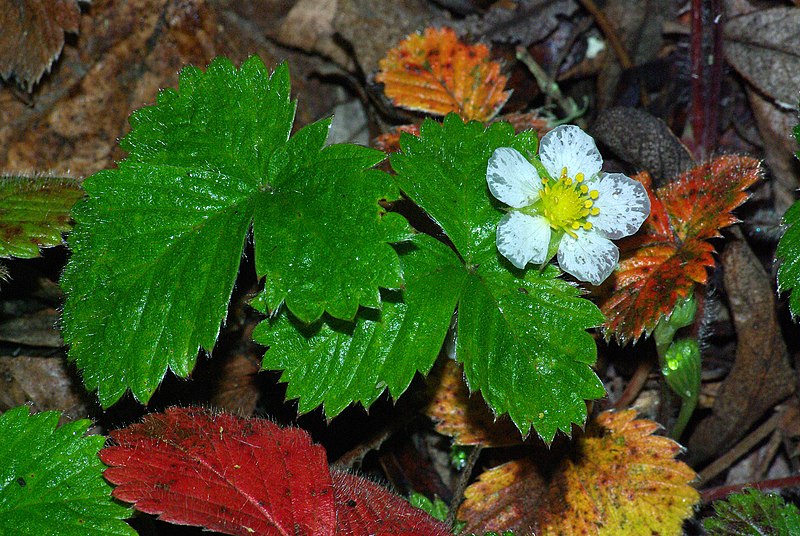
(438, 74)
(623, 480)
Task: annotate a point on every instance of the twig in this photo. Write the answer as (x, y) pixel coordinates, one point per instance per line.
(742, 447)
(549, 86)
(609, 31)
(635, 386)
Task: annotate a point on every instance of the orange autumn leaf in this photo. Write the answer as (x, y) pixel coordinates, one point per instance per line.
(662, 263)
(438, 74)
(624, 480)
(467, 419)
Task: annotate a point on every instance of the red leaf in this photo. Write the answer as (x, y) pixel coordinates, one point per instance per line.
(364, 508)
(194, 467)
(670, 254)
(700, 202)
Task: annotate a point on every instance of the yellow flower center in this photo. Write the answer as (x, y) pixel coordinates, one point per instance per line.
(567, 202)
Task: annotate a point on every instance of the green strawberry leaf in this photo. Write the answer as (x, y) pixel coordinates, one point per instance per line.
(521, 335)
(157, 243)
(446, 176)
(34, 211)
(335, 362)
(51, 480)
(320, 237)
(753, 513)
(788, 253)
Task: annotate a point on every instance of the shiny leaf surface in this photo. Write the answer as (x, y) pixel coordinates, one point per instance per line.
(157, 243)
(753, 513)
(521, 335)
(335, 363)
(50, 477)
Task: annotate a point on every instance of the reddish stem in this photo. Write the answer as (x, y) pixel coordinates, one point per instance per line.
(714, 494)
(706, 65)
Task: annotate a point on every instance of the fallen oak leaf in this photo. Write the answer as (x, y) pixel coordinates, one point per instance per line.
(436, 73)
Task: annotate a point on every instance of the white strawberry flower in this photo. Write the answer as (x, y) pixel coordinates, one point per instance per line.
(577, 205)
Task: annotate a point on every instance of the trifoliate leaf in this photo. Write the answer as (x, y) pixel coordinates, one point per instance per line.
(335, 362)
(671, 253)
(34, 211)
(51, 481)
(788, 253)
(157, 243)
(436, 73)
(753, 513)
(521, 336)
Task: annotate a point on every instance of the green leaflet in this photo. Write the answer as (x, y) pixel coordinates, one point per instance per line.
(334, 362)
(521, 335)
(34, 211)
(157, 242)
(51, 479)
(753, 513)
(788, 253)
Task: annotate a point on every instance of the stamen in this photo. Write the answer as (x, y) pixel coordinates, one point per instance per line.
(587, 225)
(579, 177)
(595, 211)
(584, 189)
(576, 225)
(568, 181)
(594, 194)
(588, 203)
(564, 173)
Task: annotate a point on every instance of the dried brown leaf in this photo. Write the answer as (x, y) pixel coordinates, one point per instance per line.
(644, 141)
(764, 47)
(127, 51)
(528, 22)
(32, 37)
(761, 375)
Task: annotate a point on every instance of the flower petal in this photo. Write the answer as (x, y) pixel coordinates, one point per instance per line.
(569, 147)
(522, 239)
(512, 179)
(623, 205)
(590, 257)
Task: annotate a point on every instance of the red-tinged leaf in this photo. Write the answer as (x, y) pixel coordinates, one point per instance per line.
(670, 255)
(700, 202)
(620, 479)
(364, 508)
(436, 73)
(191, 466)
